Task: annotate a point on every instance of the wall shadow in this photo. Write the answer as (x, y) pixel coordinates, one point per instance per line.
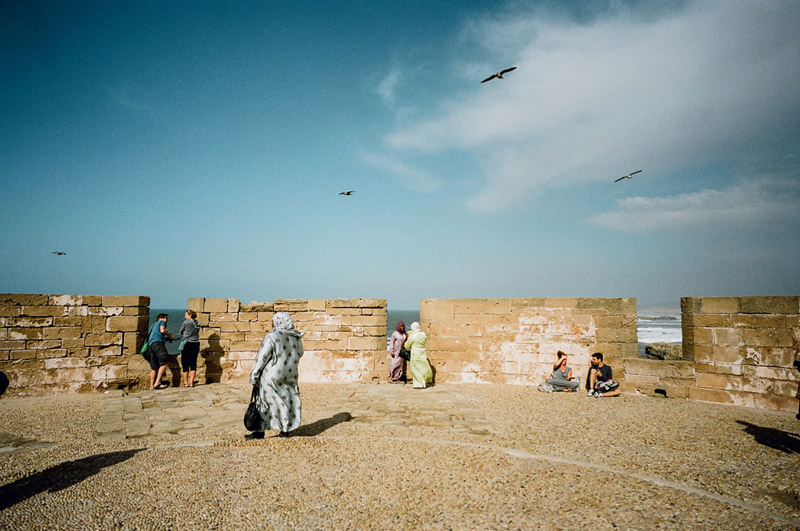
(3, 383)
(317, 427)
(60, 477)
(786, 442)
(173, 371)
(212, 356)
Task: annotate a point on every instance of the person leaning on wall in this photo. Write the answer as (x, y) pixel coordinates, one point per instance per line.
(158, 351)
(190, 346)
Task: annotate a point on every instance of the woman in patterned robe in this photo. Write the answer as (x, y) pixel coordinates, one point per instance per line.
(275, 373)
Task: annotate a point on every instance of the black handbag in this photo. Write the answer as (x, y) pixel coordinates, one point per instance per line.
(405, 354)
(252, 417)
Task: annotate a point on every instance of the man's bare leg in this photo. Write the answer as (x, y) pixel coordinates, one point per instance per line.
(161, 370)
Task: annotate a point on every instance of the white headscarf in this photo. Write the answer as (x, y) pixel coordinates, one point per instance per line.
(282, 321)
(415, 326)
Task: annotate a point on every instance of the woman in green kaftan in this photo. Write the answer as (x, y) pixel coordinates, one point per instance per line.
(421, 371)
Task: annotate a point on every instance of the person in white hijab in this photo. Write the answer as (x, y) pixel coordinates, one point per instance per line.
(275, 374)
(421, 371)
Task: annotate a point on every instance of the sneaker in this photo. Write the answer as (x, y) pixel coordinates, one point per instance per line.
(590, 393)
(598, 394)
(254, 435)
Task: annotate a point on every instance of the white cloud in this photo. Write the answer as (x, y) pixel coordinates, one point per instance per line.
(715, 81)
(389, 84)
(750, 204)
(121, 96)
(409, 178)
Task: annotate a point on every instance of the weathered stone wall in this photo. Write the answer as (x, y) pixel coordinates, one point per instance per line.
(515, 341)
(345, 339)
(67, 343)
(743, 349)
(676, 377)
(737, 350)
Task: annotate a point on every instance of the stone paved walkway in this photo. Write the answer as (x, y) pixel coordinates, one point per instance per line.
(178, 410)
(440, 406)
(12, 444)
(173, 410)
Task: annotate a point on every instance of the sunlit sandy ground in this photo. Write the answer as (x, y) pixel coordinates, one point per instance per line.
(386, 456)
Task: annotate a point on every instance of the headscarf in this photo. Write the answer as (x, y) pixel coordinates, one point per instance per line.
(283, 321)
(415, 326)
(401, 326)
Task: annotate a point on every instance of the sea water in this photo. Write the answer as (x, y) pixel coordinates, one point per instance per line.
(174, 322)
(658, 325)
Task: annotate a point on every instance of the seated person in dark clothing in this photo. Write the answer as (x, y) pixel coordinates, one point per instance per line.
(599, 374)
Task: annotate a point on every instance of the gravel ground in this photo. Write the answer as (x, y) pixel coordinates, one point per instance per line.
(551, 461)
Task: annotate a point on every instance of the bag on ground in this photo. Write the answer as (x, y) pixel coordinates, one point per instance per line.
(546, 388)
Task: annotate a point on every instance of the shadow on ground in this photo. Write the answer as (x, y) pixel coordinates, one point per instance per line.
(317, 427)
(60, 477)
(784, 441)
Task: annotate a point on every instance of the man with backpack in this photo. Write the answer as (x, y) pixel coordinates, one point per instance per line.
(158, 352)
(600, 382)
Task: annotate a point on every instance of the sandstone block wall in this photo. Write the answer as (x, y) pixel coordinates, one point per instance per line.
(67, 343)
(515, 341)
(345, 339)
(743, 349)
(676, 377)
(736, 350)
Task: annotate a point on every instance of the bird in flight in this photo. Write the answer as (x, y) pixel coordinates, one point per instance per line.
(499, 75)
(628, 176)
(58, 253)
(349, 192)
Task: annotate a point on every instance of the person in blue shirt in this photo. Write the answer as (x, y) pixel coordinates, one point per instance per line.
(158, 351)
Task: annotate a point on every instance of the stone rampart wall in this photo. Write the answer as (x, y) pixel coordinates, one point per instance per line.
(737, 350)
(345, 339)
(68, 343)
(514, 341)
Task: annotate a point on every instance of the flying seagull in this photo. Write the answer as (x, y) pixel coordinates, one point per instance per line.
(349, 192)
(58, 253)
(628, 176)
(499, 75)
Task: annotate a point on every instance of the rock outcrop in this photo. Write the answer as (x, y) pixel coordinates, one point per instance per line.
(664, 351)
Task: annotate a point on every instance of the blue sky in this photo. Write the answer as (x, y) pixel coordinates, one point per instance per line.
(183, 149)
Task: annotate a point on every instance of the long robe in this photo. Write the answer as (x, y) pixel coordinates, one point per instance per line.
(275, 372)
(396, 363)
(421, 371)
